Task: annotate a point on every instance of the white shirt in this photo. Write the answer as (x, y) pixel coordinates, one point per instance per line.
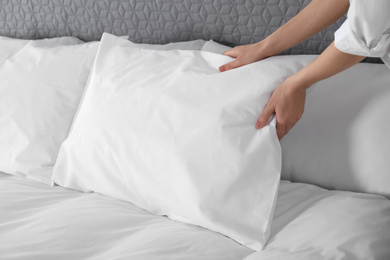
(366, 32)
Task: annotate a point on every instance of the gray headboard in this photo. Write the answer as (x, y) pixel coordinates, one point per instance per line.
(232, 22)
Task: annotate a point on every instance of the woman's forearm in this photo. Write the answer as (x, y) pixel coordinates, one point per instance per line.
(329, 63)
(315, 17)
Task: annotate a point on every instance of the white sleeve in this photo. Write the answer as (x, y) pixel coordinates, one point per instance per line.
(366, 32)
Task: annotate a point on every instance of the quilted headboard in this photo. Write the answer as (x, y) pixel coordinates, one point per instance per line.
(231, 22)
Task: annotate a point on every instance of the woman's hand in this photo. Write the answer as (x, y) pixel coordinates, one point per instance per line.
(287, 102)
(244, 55)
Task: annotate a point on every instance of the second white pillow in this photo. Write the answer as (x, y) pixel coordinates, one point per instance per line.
(170, 133)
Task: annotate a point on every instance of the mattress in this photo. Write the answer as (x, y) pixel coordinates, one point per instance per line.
(43, 222)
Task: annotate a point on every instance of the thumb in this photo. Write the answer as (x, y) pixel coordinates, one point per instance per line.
(264, 117)
(231, 53)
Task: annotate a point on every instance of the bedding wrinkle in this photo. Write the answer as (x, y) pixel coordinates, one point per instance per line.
(346, 217)
(290, 213)
(119, 230)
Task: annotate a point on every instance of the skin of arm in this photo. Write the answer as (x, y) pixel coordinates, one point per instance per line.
(315, 17)
(288, 100)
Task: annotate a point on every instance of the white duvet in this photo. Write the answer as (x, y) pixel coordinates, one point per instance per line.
(42, 222)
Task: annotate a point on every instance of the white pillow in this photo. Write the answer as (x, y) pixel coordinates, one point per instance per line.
(342, 141)
(41, 85)
(215, 47)
(40, 90)
(168, 132)
(9, 46)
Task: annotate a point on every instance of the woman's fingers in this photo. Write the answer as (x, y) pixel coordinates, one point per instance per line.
(287, 102)
(244, 54)
(231, 65)
(264, 117)
(234, 53)
(282, 126)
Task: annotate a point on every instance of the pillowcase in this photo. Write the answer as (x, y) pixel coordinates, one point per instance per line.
(168, 132)
(10, 46)
(41, 85)
(342, 140)
(215, 47)
(40, 90)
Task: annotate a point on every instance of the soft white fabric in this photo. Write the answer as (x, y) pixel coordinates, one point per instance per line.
(41, 85)
(40, 89)
(9, 46)
(366, 32)
(342, 140)
(170, 133)
(39, 222)
(313, 223)
(215, 47)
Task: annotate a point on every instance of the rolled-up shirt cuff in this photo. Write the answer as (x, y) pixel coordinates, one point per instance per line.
(347, 41)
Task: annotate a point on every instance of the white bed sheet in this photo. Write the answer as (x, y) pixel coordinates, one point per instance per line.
(42, 222)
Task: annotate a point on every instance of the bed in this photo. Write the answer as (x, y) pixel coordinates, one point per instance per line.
(332, 201)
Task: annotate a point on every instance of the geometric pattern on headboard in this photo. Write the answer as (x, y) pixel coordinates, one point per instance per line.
(231, 22)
